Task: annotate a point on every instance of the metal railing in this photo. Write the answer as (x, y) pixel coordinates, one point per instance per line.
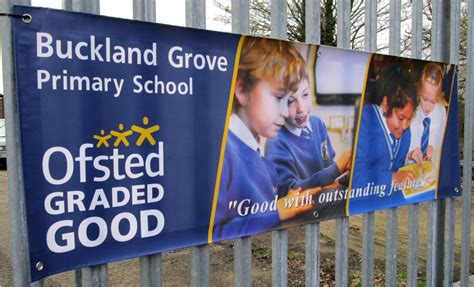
(445, 47)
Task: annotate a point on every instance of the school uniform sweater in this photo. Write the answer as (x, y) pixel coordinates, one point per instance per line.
(303, 162)
(375, 163)
(247, 179)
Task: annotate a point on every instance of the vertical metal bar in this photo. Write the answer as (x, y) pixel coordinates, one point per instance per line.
(312, 256)
(16, 195)
(370, 26)
(89, 6)
(77, 278)
(280, 258)
(412, 264)
(342, 224)
(455, 31)
(440, 31)
(467, 151)
(416, 28)
(241, 16)
(196, 18)
(280, 237)
(151, 273)
(370, 44)
(279, 19)
(450, 202)
(394, 27)
(243, 261)
(196, 14)
(343, 24)
(431, 263)
(150, 266)
(449, 242)
(414, 209)
(436, 30)
(342, 252)
(312, 231)
(392, 213)
(391, 247)
(95, 275)
(144, 10)
(200, 266)
(67, 5)
(368, 249)
(242, 246)
(313, 22)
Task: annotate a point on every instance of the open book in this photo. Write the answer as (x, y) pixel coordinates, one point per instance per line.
(425, 178)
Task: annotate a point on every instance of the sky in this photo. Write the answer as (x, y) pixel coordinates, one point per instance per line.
(167, 11)
(170, 12)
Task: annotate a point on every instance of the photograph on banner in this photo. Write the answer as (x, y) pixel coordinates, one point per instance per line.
(401, 133)
(289, 143)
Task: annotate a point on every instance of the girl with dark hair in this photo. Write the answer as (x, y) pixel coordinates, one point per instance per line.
(383, 141)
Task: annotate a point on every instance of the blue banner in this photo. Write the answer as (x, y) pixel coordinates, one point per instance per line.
(139, 138)
(121, 125)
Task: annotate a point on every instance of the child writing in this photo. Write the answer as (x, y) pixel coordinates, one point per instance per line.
(302, 152)
(247, 201)
(384, 139)
(428, 125)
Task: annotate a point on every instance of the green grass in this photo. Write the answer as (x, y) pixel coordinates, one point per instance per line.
(402, 275)
(262, 253)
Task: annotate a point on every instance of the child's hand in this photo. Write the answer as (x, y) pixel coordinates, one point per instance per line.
(287, 210)
(429, 152)
(416, 155)
(344, 161)
(402, 176)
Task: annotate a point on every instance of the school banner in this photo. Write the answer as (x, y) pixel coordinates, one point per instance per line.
(139, 138)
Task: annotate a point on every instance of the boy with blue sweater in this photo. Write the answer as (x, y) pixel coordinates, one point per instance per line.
(302, 152)
(247, 203)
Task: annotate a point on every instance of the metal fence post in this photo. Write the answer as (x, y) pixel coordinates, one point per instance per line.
(150, 266)
(196, 14)
(313, 22)
(392, 213)
(242, 246)
(280, 258)
(342, 224)
(94, 275)
(454, 40)
(413, 210)
(312, 231)
(440, 34)
(312, 254)
(16, 194)
(280, 237)
(200, 266)
(144, 10)
(196, 18)
(279, 19)
(241, 16)
(467, 152)
(370, 45)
